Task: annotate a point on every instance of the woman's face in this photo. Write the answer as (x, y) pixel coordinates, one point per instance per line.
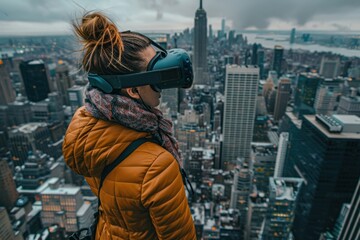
(148, 95)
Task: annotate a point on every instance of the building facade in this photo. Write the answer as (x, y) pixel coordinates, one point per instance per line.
(239, 113)
(7, 185)
(351, 225)
(36, 80)
(325, 153)
(200, 46)
(7, 93)
(281, 211)
(305, 93)
(282, 98)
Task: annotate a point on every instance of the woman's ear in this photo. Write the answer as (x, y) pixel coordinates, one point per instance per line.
(133, 92)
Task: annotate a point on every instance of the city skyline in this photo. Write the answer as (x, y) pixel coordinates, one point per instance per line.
(53, 18)
(269, 138)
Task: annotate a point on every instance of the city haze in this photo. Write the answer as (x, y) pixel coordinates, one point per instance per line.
(38, 17)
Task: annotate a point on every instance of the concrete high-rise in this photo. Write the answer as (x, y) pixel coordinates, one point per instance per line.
(281, 154)
(327, 95)
(282, 98)
(255, 216)
(65, 206)
(264, 158)
(350, 105)
(36, 80)
(284, 193)
(324, 152)
(329, 68)
(200, 46)
(7, 185)
(63, 80)
(29, 137)
(240, 191)
(241, 85)
(7, 93)
(6, 230)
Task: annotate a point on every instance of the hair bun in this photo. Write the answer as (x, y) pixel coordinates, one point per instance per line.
(95, 26)
(100, 38)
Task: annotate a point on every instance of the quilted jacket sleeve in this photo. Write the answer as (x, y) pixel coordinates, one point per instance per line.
(163, 194)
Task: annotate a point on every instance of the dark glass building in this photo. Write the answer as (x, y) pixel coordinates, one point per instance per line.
(277, 60)
(305, 93)
(351, 226)
(324, 151)
(36, 80)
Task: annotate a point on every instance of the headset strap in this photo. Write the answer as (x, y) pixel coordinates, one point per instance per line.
(134, 145)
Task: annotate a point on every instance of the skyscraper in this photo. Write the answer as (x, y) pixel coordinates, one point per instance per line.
(7, 186)
(64, 206)
(200, 46)
(283, 197)
(254, 54)
(329, 68)
(282, 98)
(350, 105)
(29, 137)
(277, 59)
(255, 216)
(281, 154)
(223, 27)
(305, 93)
(292, 36)
(7, 93)
(6, 230)
(63, 80)
(36, 80)
(240, 191)
(263, 157)
(327, 95)
(325, 153)
(241, 85)
(351, 226)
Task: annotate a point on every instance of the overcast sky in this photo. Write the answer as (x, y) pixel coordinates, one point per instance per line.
(39, 17)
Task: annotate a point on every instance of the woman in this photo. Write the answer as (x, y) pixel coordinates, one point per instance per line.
(144, 196)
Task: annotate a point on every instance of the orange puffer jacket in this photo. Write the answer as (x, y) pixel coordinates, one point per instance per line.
(144, 196)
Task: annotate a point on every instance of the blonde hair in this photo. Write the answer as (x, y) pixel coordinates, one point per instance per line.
(106, 51)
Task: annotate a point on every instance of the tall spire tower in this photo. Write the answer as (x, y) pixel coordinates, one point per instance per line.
(200, 44)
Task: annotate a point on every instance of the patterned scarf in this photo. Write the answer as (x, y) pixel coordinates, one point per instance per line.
(132, 114)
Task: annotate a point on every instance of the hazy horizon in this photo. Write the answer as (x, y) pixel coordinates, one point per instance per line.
(40, 17)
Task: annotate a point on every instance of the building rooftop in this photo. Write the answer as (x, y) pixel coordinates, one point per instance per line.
(30, 127)
(285, 188)
(347, 119)
(350, 126)
(40, 189)
(83, 209)
(198, 213)
(35, 62)
(294, 119)
(62, 191)
(75, 88)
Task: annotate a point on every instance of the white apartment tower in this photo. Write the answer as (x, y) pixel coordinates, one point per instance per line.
(281, 154)
(241, 85)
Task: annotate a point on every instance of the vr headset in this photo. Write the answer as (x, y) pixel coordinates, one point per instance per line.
(167, 69)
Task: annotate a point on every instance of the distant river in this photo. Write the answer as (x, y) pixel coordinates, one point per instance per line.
(270, 40)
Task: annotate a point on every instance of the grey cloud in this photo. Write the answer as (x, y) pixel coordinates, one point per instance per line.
(257, 13)
(243, 13)
(341, 27)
